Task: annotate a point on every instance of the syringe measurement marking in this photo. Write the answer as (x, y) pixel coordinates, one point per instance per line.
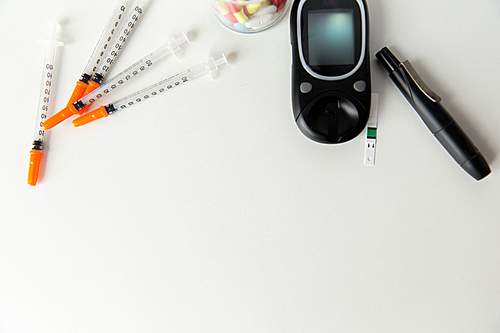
(112, 32)
(119, 106)
(45, 106)
(120, 82)
(122, 39)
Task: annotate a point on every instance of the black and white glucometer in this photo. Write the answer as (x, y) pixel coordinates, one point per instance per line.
(331, 85)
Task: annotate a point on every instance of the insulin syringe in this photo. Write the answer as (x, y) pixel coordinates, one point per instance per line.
(95, 59)
(209, 66)
(114, 51)
(170, 47)
(103, 68)
(44, 101)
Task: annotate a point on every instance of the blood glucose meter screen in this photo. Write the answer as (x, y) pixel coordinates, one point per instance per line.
(331, 37)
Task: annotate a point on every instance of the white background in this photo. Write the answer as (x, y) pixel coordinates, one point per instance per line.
(206, 209)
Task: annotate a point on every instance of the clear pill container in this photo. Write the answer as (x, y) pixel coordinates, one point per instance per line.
(250, 16)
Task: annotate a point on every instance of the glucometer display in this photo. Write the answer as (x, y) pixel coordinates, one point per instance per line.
(331, 37)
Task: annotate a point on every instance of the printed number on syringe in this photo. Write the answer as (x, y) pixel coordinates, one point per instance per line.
(46, 98)
(154, 93)
(128, 77)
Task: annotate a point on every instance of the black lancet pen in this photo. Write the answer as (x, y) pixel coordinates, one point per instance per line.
(438, 120)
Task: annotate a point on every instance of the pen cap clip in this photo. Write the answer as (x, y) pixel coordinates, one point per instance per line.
(412, 73)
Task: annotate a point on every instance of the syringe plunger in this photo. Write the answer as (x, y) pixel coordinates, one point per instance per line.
(50, 43)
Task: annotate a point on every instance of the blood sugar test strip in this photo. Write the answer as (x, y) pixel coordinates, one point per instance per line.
(371, 132)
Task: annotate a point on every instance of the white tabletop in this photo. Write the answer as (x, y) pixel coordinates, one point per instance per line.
(207, 210)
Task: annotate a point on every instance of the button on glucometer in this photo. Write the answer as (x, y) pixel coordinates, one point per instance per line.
(305, 87)
(360, 86)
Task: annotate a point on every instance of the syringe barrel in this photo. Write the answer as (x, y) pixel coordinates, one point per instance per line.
(106, 37)
(120, 41)
(46, 84)
(209, 66)
(140, 66)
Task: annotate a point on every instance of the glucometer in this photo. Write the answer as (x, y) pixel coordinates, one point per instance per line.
(331, 85)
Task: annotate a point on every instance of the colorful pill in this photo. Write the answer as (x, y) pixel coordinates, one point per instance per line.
(280, 4)
(281, 7)
(225, 21)
(224, 12)
(252, 8)
(241, 15)
(259, 21)
(238, 12)
(221, 7)
(230, 17)
(245, 10)
(240, 26)
(266, 10)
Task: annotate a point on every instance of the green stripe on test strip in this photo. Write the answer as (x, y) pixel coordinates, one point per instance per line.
(371, 133)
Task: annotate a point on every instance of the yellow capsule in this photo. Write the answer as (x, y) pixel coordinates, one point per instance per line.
(221, 5)
(241, 17)
(253, 7)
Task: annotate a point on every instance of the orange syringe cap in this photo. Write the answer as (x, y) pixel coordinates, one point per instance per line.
(67, 112)
(92, 85)
(91, 116)
(57, 118)
(35, 158)
(78, 92)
